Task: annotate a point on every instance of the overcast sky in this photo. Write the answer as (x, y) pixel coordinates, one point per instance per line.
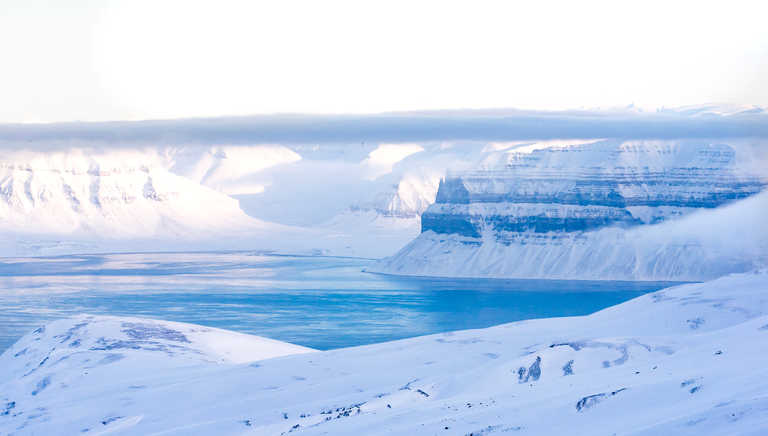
(128, 60)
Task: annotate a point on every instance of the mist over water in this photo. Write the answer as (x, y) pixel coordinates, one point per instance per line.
(319, 302)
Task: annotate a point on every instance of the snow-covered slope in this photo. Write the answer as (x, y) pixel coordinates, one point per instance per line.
(116, 193)
(88, 200)
(232, 170)
(599, 210)
(687, 360)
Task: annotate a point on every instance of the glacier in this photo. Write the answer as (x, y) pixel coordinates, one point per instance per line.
(607, 209)
(686, 360)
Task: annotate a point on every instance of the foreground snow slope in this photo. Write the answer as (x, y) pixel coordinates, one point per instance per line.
(687, 360)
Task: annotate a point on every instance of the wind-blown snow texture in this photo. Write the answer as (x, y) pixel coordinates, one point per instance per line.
(687, 360)
(626, 210)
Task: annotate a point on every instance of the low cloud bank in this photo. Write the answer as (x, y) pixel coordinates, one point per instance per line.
(482, 125)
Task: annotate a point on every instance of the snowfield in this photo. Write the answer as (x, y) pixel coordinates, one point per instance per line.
(686, 360)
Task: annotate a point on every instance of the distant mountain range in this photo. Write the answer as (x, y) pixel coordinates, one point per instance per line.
(358, 185)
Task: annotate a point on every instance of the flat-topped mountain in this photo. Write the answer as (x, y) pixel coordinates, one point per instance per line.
(575, 211)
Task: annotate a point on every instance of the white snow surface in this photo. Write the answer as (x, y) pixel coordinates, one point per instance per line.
(686, 360)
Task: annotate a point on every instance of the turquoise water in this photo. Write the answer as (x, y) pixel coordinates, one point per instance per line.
(319, 302)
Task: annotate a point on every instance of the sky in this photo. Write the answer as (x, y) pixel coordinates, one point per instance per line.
(94, 60)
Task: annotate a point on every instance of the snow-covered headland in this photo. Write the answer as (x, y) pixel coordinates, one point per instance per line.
(612, 209)
(687, 360)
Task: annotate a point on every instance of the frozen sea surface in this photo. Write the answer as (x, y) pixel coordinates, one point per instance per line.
(318, 302)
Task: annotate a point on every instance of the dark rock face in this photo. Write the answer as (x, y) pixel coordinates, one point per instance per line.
(532, 373)
(592, 400)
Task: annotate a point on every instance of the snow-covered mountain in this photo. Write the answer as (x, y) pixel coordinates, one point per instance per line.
(601, 210)
(125, 194)
(87, 200)
(360, 199)
(363, 199)
(687, 360)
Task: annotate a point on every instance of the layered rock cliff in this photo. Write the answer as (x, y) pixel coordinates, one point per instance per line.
(585, 211)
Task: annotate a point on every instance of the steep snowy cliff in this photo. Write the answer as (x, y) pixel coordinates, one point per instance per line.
(602, 210)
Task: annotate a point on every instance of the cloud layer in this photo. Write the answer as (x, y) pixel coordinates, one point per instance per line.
(482, 125)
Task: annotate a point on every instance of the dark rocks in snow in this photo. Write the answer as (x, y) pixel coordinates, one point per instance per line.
(622, 348)
(104, 344)
(521, 374)
(493, 428)
(422, 392)
(694, 383)
(592, 400)
(568, 368)
(71, 332)
(8, 407)
(695, 323)
(533, 372)
(575, 345)
(42, 384)
(109, 420)
(407, 386)
(141, 331)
